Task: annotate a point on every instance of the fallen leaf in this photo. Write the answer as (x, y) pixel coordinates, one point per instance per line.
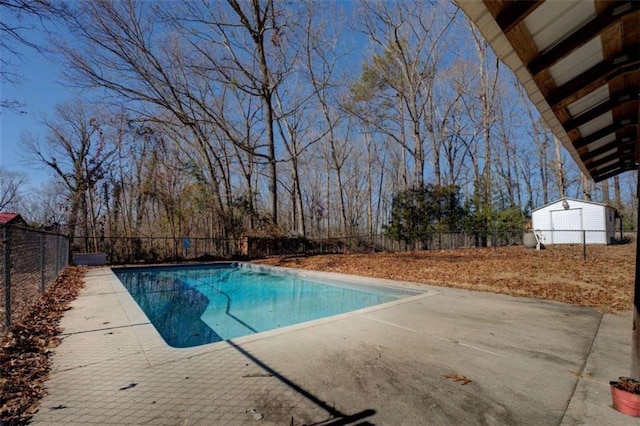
(458, 378)
(26, 346)
(604, 281)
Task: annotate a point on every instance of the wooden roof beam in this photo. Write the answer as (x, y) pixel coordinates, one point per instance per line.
(604, 176)
(512, 15)
(621, 124)
(607, 159)
(612, 173)
(625, 145)
(599, 175)
(612, 15)
(594, 77)
(598, 110)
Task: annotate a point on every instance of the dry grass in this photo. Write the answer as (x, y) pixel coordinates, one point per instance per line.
(604, 281)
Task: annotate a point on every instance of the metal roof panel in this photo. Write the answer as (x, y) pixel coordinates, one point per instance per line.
(606, 154)
(601, 142)
(555, 20)
(596, 124)
(578, 68)
(605, 165)
(585, 103)
(577, 62)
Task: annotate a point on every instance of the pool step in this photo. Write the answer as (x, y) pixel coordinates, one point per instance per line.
(220, 319)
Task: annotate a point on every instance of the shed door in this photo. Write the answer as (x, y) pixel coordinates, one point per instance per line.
(566, 226)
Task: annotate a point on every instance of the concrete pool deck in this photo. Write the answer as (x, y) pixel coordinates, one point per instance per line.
(403, 363)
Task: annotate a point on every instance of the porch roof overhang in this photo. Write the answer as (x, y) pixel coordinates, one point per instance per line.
(579, 61)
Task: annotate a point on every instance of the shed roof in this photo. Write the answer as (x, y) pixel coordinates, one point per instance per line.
(10, 218)
(579, 61)
(574, 200)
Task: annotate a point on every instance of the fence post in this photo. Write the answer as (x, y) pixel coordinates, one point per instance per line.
(7, 277)
(584, 245)
(42, 264)
(66, 253)
(59, 259)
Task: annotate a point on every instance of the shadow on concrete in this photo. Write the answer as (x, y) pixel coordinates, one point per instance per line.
(349, 420)
(338, 418)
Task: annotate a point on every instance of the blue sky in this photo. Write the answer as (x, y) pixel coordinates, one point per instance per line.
(40, 92)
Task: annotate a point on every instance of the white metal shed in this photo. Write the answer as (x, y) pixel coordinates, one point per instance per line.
(572, 221)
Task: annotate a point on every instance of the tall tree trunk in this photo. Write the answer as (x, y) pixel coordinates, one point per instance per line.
(509, 182)
(328, 213)
(436, 143)
(605, 192)
(544, 176)
(72, 223)
(298, 206)
(616, 192)
(273, 172)
(262, 15)
(560, 175)
(586, 187)
(267, 94)
(343, 207)
(369, 191)
(487, 94)
(418, 164)
(437, 174)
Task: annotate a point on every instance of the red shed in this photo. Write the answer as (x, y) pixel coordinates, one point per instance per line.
(11, 219)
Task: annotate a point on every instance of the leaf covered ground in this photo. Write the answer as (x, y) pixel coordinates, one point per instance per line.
(604, 281)
(25, 349)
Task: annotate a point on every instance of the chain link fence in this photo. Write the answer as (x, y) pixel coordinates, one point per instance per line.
(30, 260)
(572, 236)
(121, 250)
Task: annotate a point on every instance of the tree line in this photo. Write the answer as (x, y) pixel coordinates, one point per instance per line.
(261, 117)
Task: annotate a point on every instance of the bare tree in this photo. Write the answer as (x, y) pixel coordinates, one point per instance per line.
(489, 71)
(18, 19)
(45, 206)
(617, 194)
(397, 85)
(12, 185)
(246, 44)
(146, 61)
(542, 139)
(587, 187)
(76, 151)
(561, 180)
(459, 131)
(258, 19)
(128, 178)
(604, 188)
(321, 57)
(506, 164)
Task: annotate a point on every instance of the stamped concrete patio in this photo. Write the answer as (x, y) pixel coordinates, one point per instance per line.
(529, 362)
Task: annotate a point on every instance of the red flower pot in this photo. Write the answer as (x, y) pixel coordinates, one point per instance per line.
(625, 402)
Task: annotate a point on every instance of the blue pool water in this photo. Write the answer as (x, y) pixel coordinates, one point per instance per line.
(195, 305)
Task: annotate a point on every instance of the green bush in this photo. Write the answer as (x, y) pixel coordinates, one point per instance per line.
(419, 213)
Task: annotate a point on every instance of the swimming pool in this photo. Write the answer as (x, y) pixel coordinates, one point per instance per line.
(196, 305)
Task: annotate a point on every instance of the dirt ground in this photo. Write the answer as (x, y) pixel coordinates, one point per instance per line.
(605, 281)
